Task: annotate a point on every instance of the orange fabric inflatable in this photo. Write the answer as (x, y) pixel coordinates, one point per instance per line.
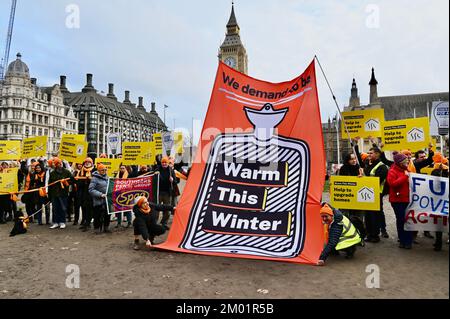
(255, 188)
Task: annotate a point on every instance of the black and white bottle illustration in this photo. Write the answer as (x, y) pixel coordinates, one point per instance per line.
(252, 198)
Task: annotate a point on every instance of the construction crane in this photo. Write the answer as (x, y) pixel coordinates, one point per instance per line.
(5, 58)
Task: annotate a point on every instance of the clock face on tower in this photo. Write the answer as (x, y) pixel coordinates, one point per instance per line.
(230, 61)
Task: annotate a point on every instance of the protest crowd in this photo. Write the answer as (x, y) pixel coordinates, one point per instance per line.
(55, 192)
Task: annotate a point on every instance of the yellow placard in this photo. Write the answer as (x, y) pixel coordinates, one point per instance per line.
(366, 123)
(9, 183)
(178, 141)
(34, 147)
(112, 164)
(157, 138)
(412, 134)
(10, 150)
(74, 137)
(138, 153)
(73, 150)
(359, 193)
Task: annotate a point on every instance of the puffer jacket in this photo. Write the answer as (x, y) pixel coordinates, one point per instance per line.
(97, 188)
(398, 185)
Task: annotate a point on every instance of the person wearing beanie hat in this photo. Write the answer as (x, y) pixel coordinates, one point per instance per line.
(145, 223)
(340, 233)
(398, 179)
(411, 166)
(97, 190)
(59, 193)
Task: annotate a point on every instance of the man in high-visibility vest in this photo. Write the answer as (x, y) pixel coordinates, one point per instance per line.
(340, 234)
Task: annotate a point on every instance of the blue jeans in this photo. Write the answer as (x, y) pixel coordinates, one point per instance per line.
(405, 237)
(59, 209)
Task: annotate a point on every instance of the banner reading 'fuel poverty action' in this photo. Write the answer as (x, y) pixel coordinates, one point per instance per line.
(254, 190)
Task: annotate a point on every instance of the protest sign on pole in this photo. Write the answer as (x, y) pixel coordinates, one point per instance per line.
(422, 221)
(255, 187)
(168, 142)
(439, 118)
(429, 203)
(122, 193)
(428, 194)
(157, 139)
(10, 150)
(114, 143)
(172, 143)
(8, 181)
(413, 134)
(34, 147)
(73, 149)
(358, 193)
(138, 153)
(363, 123)
(112, 164)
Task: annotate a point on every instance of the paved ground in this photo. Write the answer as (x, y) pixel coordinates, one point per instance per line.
(34, 266)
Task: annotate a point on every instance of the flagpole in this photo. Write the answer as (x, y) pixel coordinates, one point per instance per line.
(338, 108)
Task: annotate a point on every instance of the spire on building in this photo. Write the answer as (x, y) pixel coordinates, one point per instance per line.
(373, 80)
(373, 88)
(233, 21)
(354, 98)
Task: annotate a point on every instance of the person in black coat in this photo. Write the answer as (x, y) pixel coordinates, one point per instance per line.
(375, 220)
(351, 168)
(145, 223)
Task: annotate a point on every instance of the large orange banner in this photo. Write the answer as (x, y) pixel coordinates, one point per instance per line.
(255, 188)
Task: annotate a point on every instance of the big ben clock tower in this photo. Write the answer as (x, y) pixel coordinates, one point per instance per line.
(232, 51)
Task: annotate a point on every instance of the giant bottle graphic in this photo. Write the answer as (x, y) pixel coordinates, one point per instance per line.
(252, 198)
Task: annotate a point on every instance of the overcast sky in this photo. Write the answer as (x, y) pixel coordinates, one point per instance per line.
(167, 50)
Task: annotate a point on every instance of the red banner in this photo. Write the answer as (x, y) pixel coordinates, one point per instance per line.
(255, 188)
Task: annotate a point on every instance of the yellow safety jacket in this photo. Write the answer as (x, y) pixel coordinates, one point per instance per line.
(374, 171)
(350, 235)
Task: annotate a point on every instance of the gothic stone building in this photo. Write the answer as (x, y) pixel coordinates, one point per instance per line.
(99, 115)
(27, 110)
(395, 108)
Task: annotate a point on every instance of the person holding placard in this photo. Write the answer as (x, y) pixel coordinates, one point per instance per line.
(441, 170)
(37, 181)
(84, 178)
(58, 193)
(422, 159)
(123, 173)
(374, 167)
(351, 168)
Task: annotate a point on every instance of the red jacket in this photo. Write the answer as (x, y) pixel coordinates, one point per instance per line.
(398, 185)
